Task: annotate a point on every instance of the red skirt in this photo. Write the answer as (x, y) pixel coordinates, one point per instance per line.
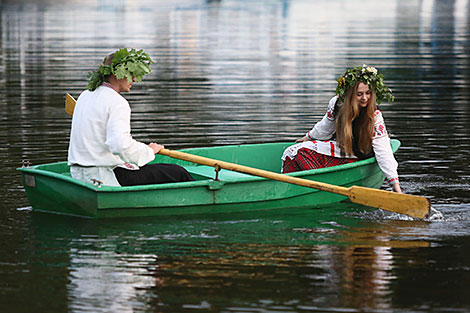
(307, 159)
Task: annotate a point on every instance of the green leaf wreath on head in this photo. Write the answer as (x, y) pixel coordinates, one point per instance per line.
(125, 64)
(368, 75)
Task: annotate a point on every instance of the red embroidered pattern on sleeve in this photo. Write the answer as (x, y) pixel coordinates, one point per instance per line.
(379, 128)
(329, 114)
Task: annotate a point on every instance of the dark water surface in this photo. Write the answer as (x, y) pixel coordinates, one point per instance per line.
(234, 72)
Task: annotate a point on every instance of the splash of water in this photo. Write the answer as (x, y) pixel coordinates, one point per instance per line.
(435, 215)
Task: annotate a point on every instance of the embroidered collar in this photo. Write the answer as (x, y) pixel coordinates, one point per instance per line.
(106, 84)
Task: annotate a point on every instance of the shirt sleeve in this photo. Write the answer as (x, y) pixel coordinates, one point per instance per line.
(119, 139)
(383, 150)
(324, 129)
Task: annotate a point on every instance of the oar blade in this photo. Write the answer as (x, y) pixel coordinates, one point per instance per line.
(414, 206)
(69, 104)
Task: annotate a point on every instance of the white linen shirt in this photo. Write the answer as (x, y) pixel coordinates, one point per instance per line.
(324, 130)
(100, 138)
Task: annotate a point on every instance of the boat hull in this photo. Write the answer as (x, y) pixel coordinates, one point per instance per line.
(50, 188)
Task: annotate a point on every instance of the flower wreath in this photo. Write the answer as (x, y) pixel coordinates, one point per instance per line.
(125, 64)
(368, 75)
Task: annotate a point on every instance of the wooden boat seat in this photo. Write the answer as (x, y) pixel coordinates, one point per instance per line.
(209, 172)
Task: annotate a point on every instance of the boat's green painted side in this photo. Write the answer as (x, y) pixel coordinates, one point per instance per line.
(50, 188)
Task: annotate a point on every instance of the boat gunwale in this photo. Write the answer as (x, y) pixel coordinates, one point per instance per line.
(199, 183)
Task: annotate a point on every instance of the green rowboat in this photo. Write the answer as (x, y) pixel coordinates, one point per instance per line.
(50, 188)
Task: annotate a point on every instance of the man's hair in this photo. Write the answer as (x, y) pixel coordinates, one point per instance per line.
(109, 59)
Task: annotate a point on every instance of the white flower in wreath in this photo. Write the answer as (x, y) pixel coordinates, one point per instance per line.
(372, 69)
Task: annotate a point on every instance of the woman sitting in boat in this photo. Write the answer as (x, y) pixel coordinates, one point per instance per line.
(352, 128)
(101, 147)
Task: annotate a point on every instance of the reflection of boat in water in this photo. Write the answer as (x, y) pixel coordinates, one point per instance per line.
(298, 253)
(50, 188)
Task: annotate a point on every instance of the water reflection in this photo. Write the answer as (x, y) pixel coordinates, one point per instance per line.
(201, 263)
(108, 280)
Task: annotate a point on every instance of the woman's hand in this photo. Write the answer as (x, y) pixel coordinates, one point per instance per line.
(303, 139)
(156, 147)
(396, 187)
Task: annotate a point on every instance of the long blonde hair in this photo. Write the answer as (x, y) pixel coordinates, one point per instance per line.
(363, 118)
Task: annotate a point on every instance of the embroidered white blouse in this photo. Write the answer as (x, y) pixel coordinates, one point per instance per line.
(325, 129)
(100, 138)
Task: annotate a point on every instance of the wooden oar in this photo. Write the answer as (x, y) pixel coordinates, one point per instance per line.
(69, 104)
(414, 206)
